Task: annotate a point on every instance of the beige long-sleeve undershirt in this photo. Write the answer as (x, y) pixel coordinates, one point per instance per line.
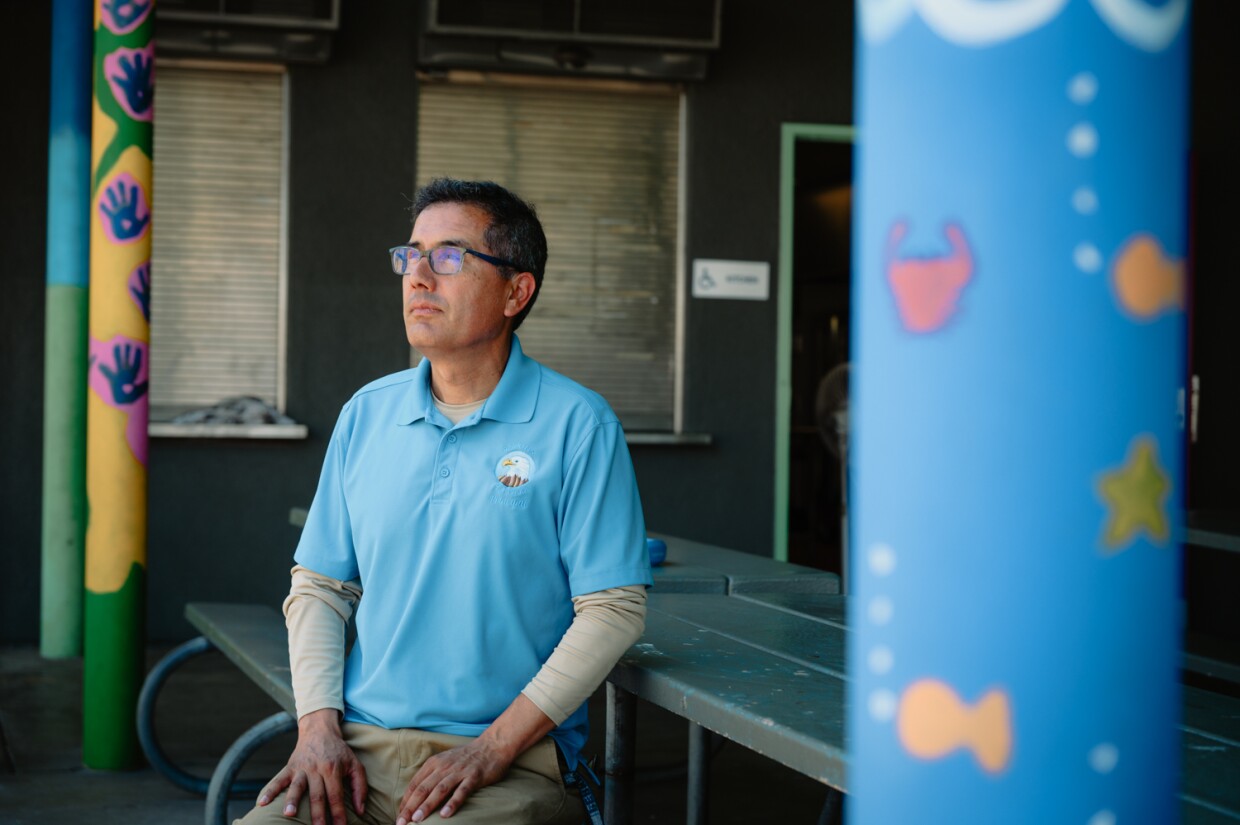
(605, 624)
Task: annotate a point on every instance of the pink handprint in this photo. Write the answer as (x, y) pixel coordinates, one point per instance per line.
(123, 209)
(130, 77)
(120, 376)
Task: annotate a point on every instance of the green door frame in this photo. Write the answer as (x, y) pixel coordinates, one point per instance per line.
(789, 135)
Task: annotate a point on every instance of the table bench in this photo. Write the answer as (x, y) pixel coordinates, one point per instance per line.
(253, 637)
(768, 671)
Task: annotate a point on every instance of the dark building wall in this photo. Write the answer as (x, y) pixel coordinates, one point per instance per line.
(219, 527)
(772, 69)
(23, 223)
(1211, 575)
(219, 509)
(219, 524)
(1215, 177)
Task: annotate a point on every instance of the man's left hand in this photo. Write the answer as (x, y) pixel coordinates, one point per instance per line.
(452, 776)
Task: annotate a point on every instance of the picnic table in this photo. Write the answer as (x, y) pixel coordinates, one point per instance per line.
(1210, 536)
(768, 671)
(696, 567)
(1219, 529)
(744, 646)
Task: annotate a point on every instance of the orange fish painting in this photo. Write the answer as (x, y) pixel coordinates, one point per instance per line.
(933, 721)
(1146, 281)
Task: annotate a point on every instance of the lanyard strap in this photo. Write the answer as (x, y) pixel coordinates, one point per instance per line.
(572, 780)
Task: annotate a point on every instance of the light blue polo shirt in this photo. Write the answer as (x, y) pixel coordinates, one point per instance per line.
(470, 540)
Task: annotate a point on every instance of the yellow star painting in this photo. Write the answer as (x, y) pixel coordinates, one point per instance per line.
(1135, 496)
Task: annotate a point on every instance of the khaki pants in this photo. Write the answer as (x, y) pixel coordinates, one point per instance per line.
(532, 793)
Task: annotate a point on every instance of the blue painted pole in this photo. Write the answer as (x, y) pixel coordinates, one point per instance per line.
(65, 330)
(1020, 333)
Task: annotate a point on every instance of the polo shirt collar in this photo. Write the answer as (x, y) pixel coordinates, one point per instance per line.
(512, 401)
(515, 396)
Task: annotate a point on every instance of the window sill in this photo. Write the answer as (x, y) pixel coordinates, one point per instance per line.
(668, 439)
(279, 432)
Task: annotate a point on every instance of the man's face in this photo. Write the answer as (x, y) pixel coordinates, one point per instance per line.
(471, 310)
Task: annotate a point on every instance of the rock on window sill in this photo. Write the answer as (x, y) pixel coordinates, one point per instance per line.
(241, 416)
(167, 429)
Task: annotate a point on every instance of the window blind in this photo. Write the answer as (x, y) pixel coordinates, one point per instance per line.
(217, 294)
(601, 168)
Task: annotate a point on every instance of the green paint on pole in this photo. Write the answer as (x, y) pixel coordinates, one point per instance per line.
(64, 472)
(115, 622)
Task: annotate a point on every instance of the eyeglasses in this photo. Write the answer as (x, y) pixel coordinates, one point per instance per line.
(444, 260)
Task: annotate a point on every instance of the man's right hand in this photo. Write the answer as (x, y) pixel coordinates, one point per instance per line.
(321, 764)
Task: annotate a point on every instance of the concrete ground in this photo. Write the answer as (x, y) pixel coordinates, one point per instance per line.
(208, 703)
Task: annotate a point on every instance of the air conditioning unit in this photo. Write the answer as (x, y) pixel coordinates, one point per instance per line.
(271, 30)
(641, 39)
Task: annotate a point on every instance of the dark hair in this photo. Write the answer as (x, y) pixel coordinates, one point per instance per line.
(514, 232)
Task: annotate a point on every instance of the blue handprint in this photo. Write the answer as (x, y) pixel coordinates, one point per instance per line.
(122, 212)
(125, 13)
(141, 290)
(124, 379)
(135, 82)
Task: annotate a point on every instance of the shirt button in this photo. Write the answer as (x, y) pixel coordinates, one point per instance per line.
(444, 472)
(452, 438)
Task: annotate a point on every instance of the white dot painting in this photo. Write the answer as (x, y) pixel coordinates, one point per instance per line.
(1083, 88)
(1085, 200)
(1103, 757)
(881, 659)
(882, 705)
(1083, 140)
(1087, 257)
(882, 560)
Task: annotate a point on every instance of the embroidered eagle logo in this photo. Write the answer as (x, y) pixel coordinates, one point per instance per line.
(514, 469)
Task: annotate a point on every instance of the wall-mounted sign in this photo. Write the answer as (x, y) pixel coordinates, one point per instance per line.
(743, 280)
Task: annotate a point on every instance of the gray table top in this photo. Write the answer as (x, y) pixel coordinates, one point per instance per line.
(823, 607)
(742, 572)
(768, 670)
(1213, 528)
(254, 638)
(703, 658)
(676, 577)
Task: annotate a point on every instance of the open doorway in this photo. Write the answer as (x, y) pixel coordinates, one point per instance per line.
(815, 253)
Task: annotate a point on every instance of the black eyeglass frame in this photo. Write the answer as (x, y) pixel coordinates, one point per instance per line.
(491, 259)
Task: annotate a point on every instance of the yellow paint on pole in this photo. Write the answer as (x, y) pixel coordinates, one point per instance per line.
(116, 534)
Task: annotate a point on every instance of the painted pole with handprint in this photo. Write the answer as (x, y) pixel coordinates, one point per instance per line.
(119, 365)
(65, 331)
(1020, 286)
